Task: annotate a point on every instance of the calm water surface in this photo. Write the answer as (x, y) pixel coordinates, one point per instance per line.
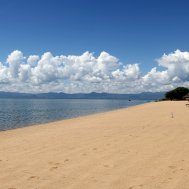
(16, 113)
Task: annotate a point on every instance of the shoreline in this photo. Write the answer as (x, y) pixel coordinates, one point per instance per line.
(138, 147)
(86, 115)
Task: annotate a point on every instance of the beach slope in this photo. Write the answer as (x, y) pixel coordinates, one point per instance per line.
(142, 147)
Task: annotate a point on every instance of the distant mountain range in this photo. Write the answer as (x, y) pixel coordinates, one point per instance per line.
(93, 95)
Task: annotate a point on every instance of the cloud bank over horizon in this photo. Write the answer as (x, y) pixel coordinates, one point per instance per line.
(87, 73)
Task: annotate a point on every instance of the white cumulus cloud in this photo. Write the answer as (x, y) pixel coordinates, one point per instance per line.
(14, 60)
(87, 73)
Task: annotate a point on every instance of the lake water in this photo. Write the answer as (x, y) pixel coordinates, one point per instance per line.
(16, 113)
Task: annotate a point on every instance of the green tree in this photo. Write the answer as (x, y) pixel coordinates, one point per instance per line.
(177, 94)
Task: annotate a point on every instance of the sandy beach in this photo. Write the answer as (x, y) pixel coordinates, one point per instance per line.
(141, 147)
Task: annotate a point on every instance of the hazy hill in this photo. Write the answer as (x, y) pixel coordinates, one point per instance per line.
(93, 95)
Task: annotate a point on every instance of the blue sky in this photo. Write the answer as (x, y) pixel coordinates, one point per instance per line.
(134, 31)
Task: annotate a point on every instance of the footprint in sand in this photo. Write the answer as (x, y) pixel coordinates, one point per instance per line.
(106, 166)
(172, 167)
(66, 160)
(131, 187)
(53, 168)
(33, 177)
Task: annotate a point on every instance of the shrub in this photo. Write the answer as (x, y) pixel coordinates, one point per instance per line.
(177, 94)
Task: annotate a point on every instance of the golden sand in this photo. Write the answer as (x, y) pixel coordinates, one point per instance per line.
(142, 147)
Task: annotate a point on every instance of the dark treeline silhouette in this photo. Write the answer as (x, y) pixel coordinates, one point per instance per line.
(177, 94)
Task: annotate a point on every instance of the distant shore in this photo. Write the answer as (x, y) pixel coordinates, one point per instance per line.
(144, 146)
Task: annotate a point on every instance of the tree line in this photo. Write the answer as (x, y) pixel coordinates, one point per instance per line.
(176, 94)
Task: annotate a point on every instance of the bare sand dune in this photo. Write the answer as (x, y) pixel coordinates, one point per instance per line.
(142, 147)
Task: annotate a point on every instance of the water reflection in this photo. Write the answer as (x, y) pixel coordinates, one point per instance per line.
(22, 112)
